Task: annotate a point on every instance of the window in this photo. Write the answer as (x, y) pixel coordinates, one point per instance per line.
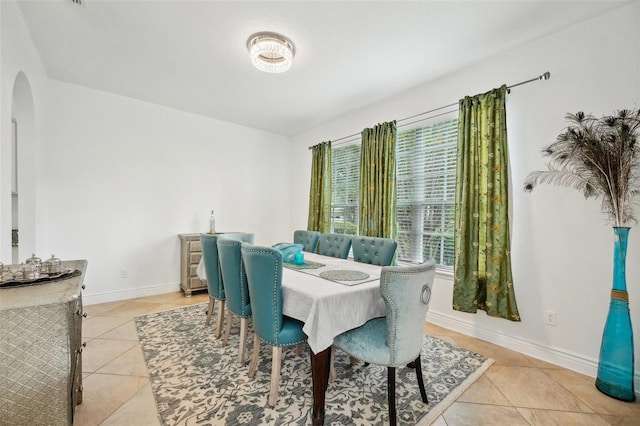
(426, 185)
(345, 177)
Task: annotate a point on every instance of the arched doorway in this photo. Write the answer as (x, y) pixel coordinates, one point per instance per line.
(23, 170)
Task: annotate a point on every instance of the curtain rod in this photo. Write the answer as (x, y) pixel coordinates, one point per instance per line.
(544, 76)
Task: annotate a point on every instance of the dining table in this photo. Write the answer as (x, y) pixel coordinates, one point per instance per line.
(330, 296)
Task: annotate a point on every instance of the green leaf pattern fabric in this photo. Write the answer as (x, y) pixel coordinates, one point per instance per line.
(320, 191)
(482, 266)
(377, 215)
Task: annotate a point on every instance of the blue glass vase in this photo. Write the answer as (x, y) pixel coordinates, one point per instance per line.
(615, 369)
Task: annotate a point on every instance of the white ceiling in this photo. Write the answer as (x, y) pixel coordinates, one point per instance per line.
(191, 55)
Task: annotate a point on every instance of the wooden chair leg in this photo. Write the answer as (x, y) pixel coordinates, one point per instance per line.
(391, 392)
(299, 349)
(212, 303)
(423, 392)
(254, 357)
(327, 369)
(243, 339)
(276, 363)
(332, 369)
(227, 330)
(220, 318)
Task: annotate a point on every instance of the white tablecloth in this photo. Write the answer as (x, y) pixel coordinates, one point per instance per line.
(328, 308)
(200, 272)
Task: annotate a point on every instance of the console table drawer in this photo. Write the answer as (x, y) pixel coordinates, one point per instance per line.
(196, 284)
(194, 258)
(195, 246)
(193, 270)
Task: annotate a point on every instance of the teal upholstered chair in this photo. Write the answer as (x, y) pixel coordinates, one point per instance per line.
(335, 245)
(395, 340)
(214, 278)
(236, 290)
(309, 239)
(244, 237)
(373, 250)
(264, 275)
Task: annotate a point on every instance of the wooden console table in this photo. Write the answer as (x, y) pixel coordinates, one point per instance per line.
(41, 350)
(190, 254)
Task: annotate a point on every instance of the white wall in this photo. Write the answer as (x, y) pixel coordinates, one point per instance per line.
(118, 179)
(561, 246)
(122, 178)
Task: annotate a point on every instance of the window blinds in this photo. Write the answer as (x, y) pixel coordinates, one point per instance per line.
(345, 180)
(426, 177)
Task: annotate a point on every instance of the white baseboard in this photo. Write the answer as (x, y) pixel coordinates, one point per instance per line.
(569, 360)
(130, 293)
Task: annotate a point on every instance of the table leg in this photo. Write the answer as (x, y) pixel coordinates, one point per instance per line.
(320, 364)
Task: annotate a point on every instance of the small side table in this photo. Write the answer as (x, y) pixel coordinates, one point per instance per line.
(190, 254)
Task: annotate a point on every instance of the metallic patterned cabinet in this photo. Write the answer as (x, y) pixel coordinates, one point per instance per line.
(41, 350)
(190, 254)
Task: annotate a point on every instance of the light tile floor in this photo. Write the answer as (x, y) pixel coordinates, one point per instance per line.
(515, 390)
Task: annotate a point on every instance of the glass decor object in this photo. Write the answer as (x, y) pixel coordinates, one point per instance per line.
(615, 369)
(212, 223)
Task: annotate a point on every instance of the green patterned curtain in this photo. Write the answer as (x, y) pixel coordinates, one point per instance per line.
(320, 191)
(377, 216)
(482, 267)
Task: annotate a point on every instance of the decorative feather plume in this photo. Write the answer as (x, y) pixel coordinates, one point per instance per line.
(599, 157)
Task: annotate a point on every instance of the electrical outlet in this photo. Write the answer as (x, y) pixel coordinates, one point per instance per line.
(550, 318)
(123, 273)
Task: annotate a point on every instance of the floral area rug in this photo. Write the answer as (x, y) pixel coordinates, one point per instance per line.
(197, 381)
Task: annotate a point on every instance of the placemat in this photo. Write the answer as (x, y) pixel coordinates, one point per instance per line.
(308, 264)
(344, 275)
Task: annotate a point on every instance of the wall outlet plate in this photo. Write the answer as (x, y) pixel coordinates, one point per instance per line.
(550, 318)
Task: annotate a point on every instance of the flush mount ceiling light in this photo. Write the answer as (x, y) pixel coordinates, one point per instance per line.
(271, 52)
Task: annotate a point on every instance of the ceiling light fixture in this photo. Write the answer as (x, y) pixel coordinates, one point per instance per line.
(271, 52)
